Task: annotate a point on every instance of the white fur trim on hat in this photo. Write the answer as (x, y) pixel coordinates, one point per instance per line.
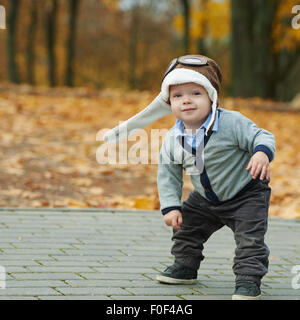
(183, 75)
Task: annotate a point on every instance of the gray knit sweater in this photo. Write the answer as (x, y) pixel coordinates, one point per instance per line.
(226, 155)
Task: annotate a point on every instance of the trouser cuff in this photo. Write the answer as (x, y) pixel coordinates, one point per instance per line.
(188, 262)
(243, 277)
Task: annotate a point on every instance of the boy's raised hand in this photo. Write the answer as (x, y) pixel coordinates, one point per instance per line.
(174, 219)
(259, 162)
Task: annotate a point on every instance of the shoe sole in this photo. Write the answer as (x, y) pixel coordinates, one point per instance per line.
(241, 297)
(168, 280)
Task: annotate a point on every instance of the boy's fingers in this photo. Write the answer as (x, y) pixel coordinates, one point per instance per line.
(263, 172)
(174, 223)
(179, 220)
(253, 170)
(268, 172)
(176, 227)
(249, 164)
(258, 170)
(168, 222)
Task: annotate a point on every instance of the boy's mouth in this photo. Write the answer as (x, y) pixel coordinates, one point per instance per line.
(188, 109)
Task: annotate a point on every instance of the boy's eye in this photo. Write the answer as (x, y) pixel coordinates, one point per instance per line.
(177, 95)
(196, 93)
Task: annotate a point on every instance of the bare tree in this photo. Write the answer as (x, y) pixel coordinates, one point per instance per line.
(11, 40)
(71, 43)
(133, 44)
(32, 29)
(50, 25)
(186, 13)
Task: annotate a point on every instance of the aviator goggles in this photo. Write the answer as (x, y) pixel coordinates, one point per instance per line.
(189, 60)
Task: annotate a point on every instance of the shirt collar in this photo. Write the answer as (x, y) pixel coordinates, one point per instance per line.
(179, 125)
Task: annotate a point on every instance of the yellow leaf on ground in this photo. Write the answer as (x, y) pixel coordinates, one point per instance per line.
(144, 203)
(76, 203)
(82, 181)
(96, 190)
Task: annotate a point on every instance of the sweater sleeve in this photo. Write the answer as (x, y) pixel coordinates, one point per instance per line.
(169, 179)
(252, 139)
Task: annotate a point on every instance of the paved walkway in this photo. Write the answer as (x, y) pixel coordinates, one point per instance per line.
(115, 255)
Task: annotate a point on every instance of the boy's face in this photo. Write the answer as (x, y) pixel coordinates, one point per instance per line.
(190, 103)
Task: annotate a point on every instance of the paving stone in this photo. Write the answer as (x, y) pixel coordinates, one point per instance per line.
(31, 252)
(280, 297)
(215, 284)
(19, 257)
(149, 297)
(53, 269)
(5, 245)
(70, 263)
(280, 285)
(91, 252)
(45, 276)
(28, 291)
(80, 257)
(113, 276)
(219, 277)
(9, 263)
(18, 297)
(210, 297)
(216, 291)
(168, 290)
(43, 245)
(76, 297)
(132, 264)
(124, 270)
(282, 292)
(91, 291)
(12, 269)
(148, 260)
(35, 283)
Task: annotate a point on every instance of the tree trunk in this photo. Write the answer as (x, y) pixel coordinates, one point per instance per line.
(71, 45)
(31, 42)
(264, 12)
(201, 43)
(241, 48)
(186, 14)
(11, 40)
(255, 67)
(51, 13)
(285, 74)
(133, 43)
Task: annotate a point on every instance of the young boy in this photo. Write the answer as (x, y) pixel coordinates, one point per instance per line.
(228, 158)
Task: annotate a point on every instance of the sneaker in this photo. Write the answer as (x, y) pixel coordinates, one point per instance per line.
(246, 290)
(178, 274)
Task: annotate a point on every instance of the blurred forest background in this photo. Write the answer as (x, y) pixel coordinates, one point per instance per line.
(71, 67)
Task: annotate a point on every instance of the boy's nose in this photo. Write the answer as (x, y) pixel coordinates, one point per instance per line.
(186, 100)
